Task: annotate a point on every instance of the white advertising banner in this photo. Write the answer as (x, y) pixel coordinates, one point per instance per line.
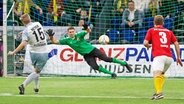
(68, 62)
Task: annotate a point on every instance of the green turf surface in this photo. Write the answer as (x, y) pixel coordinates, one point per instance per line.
(90, 90)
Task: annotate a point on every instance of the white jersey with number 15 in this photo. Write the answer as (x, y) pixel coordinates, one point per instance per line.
(35, 36)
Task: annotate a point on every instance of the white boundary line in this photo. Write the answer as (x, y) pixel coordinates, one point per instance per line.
(83, 97)
(63, 77)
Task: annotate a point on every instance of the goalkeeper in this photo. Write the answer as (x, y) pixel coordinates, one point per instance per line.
(77, 42)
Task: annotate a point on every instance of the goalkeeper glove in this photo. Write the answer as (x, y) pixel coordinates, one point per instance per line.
(85, 27)
(51, 33)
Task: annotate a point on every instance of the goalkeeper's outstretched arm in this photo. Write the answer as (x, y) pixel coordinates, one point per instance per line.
(54, 40)
(51, 33)
(86, 28)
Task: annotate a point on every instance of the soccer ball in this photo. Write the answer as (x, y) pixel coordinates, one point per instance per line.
(103, 39)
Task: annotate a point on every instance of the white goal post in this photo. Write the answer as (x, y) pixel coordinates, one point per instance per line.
(4, 38)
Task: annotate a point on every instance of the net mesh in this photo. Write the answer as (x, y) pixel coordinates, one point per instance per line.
(103, 16)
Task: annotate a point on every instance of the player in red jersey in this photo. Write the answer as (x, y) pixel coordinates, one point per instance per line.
(161, 39)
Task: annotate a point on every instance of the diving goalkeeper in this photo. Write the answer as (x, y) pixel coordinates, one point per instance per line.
(77, 42)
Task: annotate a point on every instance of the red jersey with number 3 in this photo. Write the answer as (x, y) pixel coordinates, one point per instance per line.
(161, 38)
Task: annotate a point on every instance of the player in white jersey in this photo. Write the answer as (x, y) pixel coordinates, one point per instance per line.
(34, 35)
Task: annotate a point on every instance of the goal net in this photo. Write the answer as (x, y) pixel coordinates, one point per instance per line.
(108, 17)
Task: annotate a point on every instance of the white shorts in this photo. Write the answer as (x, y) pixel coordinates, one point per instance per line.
(161, 63)
(39, 60)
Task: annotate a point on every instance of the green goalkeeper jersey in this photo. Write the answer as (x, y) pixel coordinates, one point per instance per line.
(78, 43)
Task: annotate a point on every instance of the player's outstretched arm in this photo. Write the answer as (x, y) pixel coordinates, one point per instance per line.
(20, 47)
(51, 33)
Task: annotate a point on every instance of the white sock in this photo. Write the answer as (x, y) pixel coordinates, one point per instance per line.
(37, 81)
(30, 78)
